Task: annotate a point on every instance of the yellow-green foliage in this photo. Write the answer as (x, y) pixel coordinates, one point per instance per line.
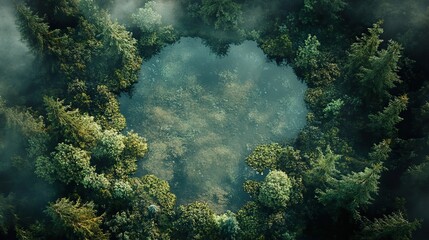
(76, 220)
(264, 157)
(275, 190)
(195, 221)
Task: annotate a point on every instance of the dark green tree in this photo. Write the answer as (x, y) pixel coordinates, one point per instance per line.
(323, 168)
(222, 14)
(381, 74)
(35, 30)
(363, 49)
(8, 218)
(351, 191)
(384, 122)
(393, 226)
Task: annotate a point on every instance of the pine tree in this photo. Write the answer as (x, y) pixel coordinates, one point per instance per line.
(363, 49)
(35, 29)
(76, 128)
(381, 74)
(351, 191)
(323, 168)
(383, 123)
(76, 220)
(394, 226)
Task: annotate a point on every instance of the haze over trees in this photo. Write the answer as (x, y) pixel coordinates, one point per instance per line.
(71, 167)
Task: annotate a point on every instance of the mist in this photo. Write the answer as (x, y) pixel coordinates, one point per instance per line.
(15, 57)
(168, 9)
(203, 114)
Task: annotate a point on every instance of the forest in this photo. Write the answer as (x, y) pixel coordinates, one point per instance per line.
(214, 119)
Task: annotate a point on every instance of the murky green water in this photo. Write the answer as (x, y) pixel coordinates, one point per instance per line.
(202, 114)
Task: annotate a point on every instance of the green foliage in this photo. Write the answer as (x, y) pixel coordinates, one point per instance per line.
(264, 157)
(384, 122)
(314, 65)
(308, 56)
(153, 34)
(119, 54)
(76, 220)
(109, 145)
(418, 175)
(323, 168)
(363, 49)
(381, 74)
(274, 156)
(291, 162)
(67, 164)
(376, 71)
(278, 47)
(35, 29)
(195, 221)
(222, 14)
(135, 146)
(393, 226)
(75, 128)
(147, 19)
(351, 191)
(252, 188)
(153, 190)
(150, 208)
(380, 152)
(333, 108)
(107, 112)
(275, 190)
(251, 219)
(228, 225)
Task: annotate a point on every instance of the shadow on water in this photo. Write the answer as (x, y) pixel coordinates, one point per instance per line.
(203, 114)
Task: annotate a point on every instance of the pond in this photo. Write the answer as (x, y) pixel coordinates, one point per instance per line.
(203, 114)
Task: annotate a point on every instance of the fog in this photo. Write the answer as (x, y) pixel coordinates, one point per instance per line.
(168, 9)
(203, 114)
(15, 57)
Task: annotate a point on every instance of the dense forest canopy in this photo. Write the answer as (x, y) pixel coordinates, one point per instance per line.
(355, 166)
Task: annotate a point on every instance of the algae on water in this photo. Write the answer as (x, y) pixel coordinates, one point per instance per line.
(203, 114)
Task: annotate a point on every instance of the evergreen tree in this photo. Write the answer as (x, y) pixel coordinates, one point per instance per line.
(384, 122)
(362, 50)
(380, 152)
(35, 30)
(323, 168)
(71, 126)
(75, 220)
(222, 14)
(351, 191)
(394, 226)
(381, 74)
(308, 56)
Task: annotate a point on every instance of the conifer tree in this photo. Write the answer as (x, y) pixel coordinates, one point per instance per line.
(384, 122)
(393, 226)
(381, 74)
(76, 220)
(323, 168)
(351, 191)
